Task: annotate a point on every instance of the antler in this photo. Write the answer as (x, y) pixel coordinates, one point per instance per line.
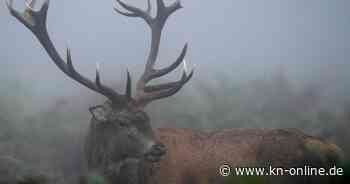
(35, 21)
(146, 94)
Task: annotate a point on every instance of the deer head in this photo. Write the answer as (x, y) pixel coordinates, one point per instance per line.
(122, 114)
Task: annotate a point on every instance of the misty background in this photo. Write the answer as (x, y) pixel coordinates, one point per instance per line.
(272, 64)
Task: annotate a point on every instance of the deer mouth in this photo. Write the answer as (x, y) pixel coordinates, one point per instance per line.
(156, 153)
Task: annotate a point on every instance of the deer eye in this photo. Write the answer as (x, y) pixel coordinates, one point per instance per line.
(140, 116)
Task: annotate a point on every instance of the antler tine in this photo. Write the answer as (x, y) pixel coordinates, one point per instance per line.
(175, 6)
(146, 94)
(184, 79)
(134, 11)
(165, 90)
(149, 7)
(36, 22)
(164, 12)
(170, 68)
(128, 85)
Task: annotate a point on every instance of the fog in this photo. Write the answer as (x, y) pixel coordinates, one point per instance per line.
(257, 64)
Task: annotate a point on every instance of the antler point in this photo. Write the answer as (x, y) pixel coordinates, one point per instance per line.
(97, 79)
(97, 66)
(46, 3)
(69, 60)
(128, 84)
(186, 45)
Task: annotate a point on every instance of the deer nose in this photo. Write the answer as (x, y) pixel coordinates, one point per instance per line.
(156, 152)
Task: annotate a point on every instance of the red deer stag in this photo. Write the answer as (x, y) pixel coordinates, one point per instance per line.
(121, 146)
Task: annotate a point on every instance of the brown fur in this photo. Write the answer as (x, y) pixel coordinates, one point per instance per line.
(195, 157)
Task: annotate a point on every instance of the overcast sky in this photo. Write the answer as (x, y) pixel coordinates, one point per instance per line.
(309, 38)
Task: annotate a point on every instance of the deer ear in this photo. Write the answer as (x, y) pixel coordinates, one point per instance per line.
(99, 113)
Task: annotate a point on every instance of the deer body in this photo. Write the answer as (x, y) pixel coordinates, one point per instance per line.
(121, 145)
(194, 157)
